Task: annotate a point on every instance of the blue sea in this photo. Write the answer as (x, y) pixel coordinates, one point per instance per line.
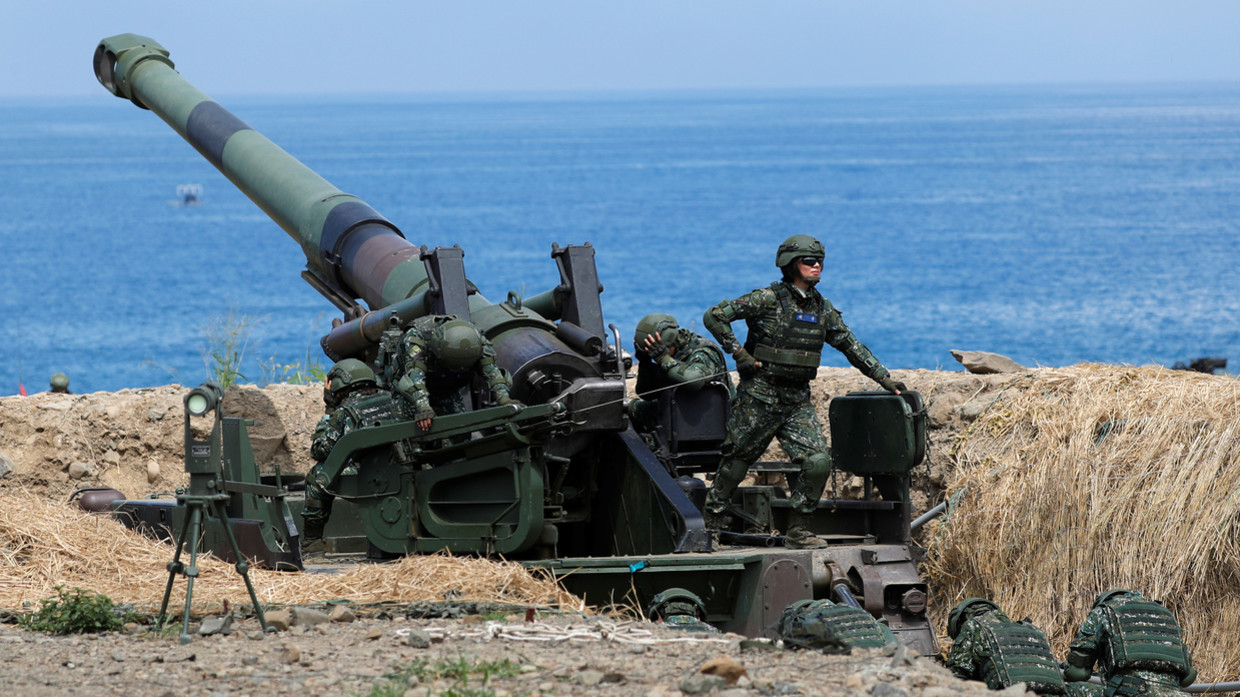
(1051, 224)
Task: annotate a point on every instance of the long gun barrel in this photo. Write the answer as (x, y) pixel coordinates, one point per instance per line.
(352, 252)
(348, 245)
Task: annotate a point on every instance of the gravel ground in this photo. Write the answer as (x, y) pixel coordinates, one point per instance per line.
(414, 658)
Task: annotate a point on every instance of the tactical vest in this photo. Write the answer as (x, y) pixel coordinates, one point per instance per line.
(789, 343)
(1021, 653)
(1145, 636)
(823, 621)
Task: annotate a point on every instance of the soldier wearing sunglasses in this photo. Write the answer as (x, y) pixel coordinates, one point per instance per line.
(789, 322)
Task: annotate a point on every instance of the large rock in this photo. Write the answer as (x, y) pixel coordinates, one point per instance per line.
(985, 363)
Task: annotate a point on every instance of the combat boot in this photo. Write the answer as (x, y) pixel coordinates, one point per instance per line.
(715, 523)
(799, 535)
(313, 523)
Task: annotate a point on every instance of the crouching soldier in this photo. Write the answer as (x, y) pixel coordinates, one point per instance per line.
(1137, 645)
(989, 647)
(669, 356)
(831, 628)
(352, 397)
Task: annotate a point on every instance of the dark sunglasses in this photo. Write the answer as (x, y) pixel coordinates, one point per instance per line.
(810, 261)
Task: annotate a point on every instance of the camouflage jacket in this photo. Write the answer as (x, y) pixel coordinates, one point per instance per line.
(781, 311)
(993, 649)
(417, 362)
(697, 361)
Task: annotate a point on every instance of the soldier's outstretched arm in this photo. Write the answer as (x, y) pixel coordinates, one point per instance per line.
(841, 338)
(412, 383)
(497, 381)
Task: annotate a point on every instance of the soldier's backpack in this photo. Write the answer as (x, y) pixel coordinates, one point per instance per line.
(1144, 635)
(1020, 652)
(825, 626)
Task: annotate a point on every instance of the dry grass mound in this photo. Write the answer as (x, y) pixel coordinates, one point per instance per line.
(1094, 477)
(44, 544)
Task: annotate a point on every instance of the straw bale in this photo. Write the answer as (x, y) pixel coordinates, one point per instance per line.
(44, 544)
(1095, 477)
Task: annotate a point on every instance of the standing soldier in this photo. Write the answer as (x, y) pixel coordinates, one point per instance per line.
(439, 357)
(788, 324)
(989, 647)
(1136, 642)
(353, 399)
(667, 356)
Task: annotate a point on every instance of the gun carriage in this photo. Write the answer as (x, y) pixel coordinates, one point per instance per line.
(564, 483)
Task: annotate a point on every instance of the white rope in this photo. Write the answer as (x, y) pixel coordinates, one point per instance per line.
(628, 633)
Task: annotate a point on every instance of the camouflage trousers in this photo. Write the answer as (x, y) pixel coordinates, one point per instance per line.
(763, 411)
(318, 501)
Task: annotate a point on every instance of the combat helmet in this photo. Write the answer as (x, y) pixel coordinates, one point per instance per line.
(656, 323)
(60, 382)
(457, 344)
(966, 609)
(798, 246)
(673, 602)
(346, 376)
(1104, 596)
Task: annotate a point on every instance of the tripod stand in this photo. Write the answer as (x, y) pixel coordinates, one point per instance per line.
(204, 497)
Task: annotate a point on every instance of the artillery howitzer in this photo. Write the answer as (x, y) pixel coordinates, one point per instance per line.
(565, 483)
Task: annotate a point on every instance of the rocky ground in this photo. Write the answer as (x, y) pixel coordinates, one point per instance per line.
(132, 440)
(474, 657)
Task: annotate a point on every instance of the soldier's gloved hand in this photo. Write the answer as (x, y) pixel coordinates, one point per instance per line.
(653, 346)
(746, 365)
(890, 385)
(424, 418)
(1076, 674)
(1189, 678)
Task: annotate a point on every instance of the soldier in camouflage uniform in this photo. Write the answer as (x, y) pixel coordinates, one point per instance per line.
(832, 628)
(1137, 644)
(668, 356)
(353, 399)
(990, 647)
(438, 358)
(788, 324)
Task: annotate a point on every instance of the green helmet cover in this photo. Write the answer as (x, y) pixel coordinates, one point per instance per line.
(1104, 596)
(60, 381)
(457, 344)
(348, 374)
(656, 323)
(676, 601)
(798, 246)
(964, 610)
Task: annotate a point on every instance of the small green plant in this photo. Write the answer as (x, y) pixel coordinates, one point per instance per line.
(75, 612)
(303, 372)
(459, 671)
(227, 337)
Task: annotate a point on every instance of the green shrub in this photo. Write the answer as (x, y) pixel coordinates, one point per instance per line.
(304, 372)
(75, 612)
(227, 337)
(460, 672)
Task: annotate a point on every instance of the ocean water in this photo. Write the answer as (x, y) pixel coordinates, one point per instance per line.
(1051, 224)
